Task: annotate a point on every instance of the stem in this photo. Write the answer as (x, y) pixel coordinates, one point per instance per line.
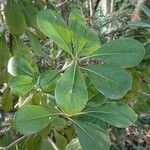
(96, 6)
(53, 144)
(91, 12)
(13, 144)
(62, 3)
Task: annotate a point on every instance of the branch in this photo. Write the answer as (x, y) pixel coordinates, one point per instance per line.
(14, 143)
(53, 144)
(96, 6)
(60, 4)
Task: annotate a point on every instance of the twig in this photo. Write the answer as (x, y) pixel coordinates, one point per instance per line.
(60, 4)
(13, 144)
(53, 144)
(96, 6)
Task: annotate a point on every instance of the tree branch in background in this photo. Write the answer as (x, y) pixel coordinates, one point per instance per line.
(96, 6)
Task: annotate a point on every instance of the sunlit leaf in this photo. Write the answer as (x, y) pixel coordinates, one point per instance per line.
(71, 93)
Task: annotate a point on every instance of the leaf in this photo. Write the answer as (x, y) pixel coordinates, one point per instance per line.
(19, 49)
(123, 52)
(71, 93)
(15, 19)
(53, 26)
(48, 79)
(35, 43)
(77, 26)
(142, 104)
(61, 141)
(115, 113)
(141, 24)
(7, 100)
(145, 9)
(74, 145)
(89, 42)
(19, 66)
(30, 12)
(45, 145)
(33, 142)
(84, 40)
(6, 139)
(4, 52)
(32, 119)
(147, 54)
(91, 136)
(59, 123)
(21, 85)
(4, 77)
(111, 81)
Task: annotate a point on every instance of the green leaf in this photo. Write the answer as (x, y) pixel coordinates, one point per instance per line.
(45, 145)
(19, 66)
(91, 136)
(4, 77)
(71, 93)
(34, 43)
(4, 52)
(48, 79)
(15, 19)
(53, 26)
(21, 85)
(74, 145)
(84, 40)
(141, 24)
(7, 100)
(145, 9)
(6, 139)
(113, 82)
(77, 26)
(89, 42)
(19, 49)
(33, 142)
(115, 113)
(61, 141)
(31, 119)
(123, 52)
(30, 12)
(59, 123)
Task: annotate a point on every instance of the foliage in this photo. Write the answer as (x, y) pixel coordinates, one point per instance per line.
(82, 93)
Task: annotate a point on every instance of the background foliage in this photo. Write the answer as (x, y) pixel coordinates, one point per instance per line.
(32, 60)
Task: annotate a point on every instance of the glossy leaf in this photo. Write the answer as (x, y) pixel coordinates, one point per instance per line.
(34, 43)
(115, 113)
(19, 66)
(53, 26)
(71, 93)
(77, 26)
(29, 12)
(31, 119)
(48, 79)
(91, 136)
(21, 85)
(84, 40)
(74, 145)
(123, 52)
(15, 19)
(112, 81)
